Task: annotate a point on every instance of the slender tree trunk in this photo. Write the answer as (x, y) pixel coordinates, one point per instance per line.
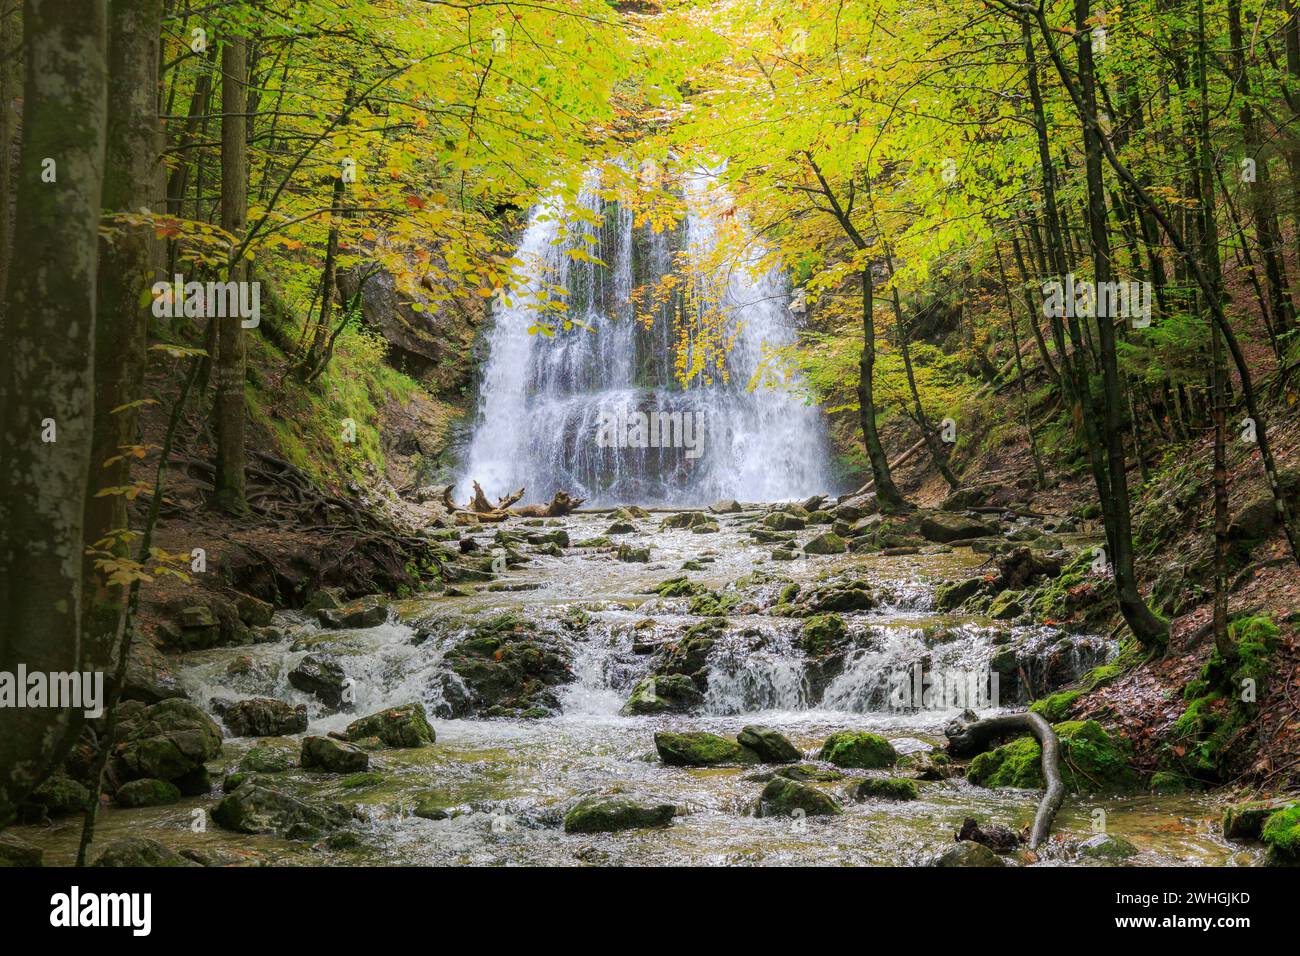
(229, 367)
(1147, 628)
(1020, 369)
(47, 374)
(887, 493)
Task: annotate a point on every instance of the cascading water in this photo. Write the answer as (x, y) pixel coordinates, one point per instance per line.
(548, 403)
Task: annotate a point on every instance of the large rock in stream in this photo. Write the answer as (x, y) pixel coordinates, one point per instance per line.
(612, 813)
(166, 741)
(506, 668)
(663, 694)
(264, 717)
(254, 807)
(945, 528)
(859, 749)
(700, 749)
(783, 797)
(770, 745)
(404, 726)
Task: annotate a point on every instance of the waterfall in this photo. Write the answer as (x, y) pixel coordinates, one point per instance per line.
(564, 411)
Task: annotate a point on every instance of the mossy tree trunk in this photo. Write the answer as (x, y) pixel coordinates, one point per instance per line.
(47, 373)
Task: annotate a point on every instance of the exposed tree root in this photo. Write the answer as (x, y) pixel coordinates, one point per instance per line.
(969, 739)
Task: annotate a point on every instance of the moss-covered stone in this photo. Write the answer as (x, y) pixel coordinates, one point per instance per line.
(1281, 834)
(783, 797)
(810, 771)
(780, 521)
(256, 808)
(678, 587)
(139, 851)
(147, 792)
(888, 788)
(663, 694)
(17, 852)
(610, 814)
(1007, 605)
(968, 853)
(856, 748)
(700, 749)
(822, 634)
(1245, 821)
(827, 543)
(404, 726)
(1056, 707)
(332, 756)
(1091, 761)
(267, 760)
(1107, 848)
(771, 745)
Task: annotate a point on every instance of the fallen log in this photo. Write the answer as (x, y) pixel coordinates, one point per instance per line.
(559, 506)
(966, 739)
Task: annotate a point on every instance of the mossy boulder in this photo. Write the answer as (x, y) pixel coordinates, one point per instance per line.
(770, 745)
(780, 521)
(166, 741)
(1091, 761)
(332, 756)
(267, 760)
(147, 792)
(404, 726)
(822, 634)
(857, 748)
(828, 543)
(663, 694)
(686, 519)
(700, 749)
(57, 795)
(945, 528)
(886, 788)
(322, 677)
(613, 813)
(254, 807)
(804, 772)
(968, 853)
(950, 596)
(265, 717)
(17, 852)
(783, 797)
(1007, 605)
(1245, 821)
(678, 587)
(631, 555)
(1107, 848)
(1281, 834)
(140, 851)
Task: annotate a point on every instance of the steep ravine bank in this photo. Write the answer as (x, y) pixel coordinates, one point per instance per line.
(542, 736)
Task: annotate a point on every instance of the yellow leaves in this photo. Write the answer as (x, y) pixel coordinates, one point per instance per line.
(129, 492)
(137, 452)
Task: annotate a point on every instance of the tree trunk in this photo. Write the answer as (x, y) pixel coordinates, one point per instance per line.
(11, 61)
(1147, 628)
(229, 367)
(887, 492)
(127, 267)
(47, 374)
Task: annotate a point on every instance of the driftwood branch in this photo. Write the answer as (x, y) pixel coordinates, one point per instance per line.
(969, 739)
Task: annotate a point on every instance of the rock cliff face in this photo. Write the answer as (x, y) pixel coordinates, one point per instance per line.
(431, 338)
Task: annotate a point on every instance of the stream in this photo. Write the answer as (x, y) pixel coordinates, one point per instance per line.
(505, 783)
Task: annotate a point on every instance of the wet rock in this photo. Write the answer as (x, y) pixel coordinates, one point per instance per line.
(690, 654)
(700, 749)
(147, 792)
(964, 499)
(968, 853)
(726, 506)
(621, 527)
(58, 795)
(889, 788)
(686, 519)
(781, 521)
(705, 527)
(828, 543)
(996, 837)
(1007, 605)
(267, 760)
(326, 599)
(783, 797)
(322, 677)
(787, 553)
(166, 740)
(945, 528)
(505, 667)
(332, 756)
(840, 597)
(633, 555)
(663, 694)
(404, 726)
(856, 508)
(370, 614)
(253, 611)
(1245, 821)
(1281, 834)
(822, 634)
(678, 587)
(930, 766)
(610, 814)
(139, 851)
(15, 851)
(1022, 566)
(804, 772)
(265, 717)
(254, 807)
(767, 536)
(856, 748)
(949, 597)
(770, 745)
(1107, 848)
